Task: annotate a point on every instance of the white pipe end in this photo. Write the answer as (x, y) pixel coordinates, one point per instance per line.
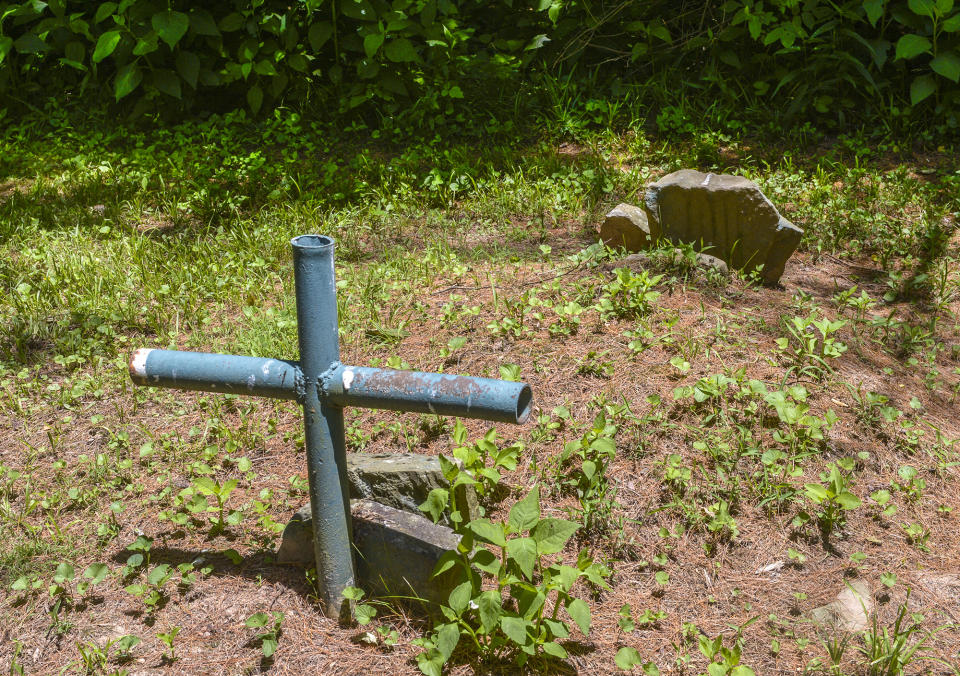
(138, 364)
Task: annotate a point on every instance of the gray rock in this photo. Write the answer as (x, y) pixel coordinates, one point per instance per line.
(851, 610)
(626, 226)
(402, 480)
(727, 215)
(395, 551)
(398, 480)
(708, 261)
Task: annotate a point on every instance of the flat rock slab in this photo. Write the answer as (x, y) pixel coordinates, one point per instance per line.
(398, 480)
(726, 215)
(402, 481)
(395, 551)
(850, 612)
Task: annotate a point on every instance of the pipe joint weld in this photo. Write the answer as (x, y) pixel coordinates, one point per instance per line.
(330, 381)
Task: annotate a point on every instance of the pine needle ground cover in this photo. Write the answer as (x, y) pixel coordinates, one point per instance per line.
(734, 456)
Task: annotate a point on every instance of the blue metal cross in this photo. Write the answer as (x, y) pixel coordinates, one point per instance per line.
(324, 387)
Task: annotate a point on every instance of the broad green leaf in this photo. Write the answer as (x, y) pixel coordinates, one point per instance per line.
(557, 628)
(579, 612)
(741, 670)
(911, 45)
(170, 26)
(554, 650)
(232, 22)
(848, 500)
(126, 643)
(371, 44)
(188, 65)
(63, 573)
(536, 42)
(167, 82)
(202, 23)
(628, 658)
(552, 534)
(364, 613)
(146, 45)
(106, 44)
(488, 532)
(319, 33)
(96, 572)
(529, 600)
(566, 576)
(20, 583)
(257, 620)
(523, 551)
(400, 50)
(460, 597)
(947, 64)
(205, 485)
(30, 43)
(437, 501)
(951, 25)
(157, 575)
(516, 629)
(874, 10)
(103, 11)
(817, 492)
(662, 577)
(431, 663)
(486, 561)
(525, 514)
(490, 608)
(6, 44)
(269, 645)
(922, 7)
(255, 98)
(944, 6)
(447, 638)
(265, 67)
(921, 88)
(359, 10)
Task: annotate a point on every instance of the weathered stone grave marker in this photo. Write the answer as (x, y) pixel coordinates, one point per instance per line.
(324, 386)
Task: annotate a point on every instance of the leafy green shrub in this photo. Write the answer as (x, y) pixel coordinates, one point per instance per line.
(421, 56)
(508, 602)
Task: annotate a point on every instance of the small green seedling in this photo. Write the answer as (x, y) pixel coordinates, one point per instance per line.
(220, 492)
(168, 637)
(269, 638)
(833, 498)
(152, 591)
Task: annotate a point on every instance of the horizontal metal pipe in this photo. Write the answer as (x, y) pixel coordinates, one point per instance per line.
(465, 396)
(217, 373)
(342, 385)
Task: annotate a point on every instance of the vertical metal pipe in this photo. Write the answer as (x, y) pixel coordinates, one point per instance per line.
(325, 443)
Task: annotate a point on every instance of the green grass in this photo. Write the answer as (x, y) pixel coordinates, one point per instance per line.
(673, 426)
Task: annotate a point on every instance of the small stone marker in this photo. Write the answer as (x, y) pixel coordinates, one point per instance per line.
(403, 481)
(727, 216)
(396, 551)
(626, 226)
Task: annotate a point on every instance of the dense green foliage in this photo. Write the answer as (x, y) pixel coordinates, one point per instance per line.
(844, 60)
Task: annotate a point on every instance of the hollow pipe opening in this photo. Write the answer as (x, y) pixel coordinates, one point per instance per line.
(524, 404)
(311, 242)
